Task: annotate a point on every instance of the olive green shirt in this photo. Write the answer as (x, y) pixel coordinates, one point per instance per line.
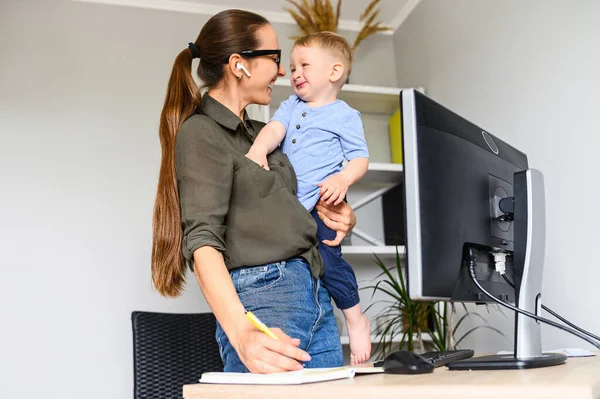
(228, 202)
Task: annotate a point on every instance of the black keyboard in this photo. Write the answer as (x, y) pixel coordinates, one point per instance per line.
(442, 358)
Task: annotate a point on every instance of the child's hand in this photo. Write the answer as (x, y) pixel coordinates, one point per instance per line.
(258, 157)
(334, 189)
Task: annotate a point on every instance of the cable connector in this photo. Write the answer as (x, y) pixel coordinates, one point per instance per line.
(500, 262)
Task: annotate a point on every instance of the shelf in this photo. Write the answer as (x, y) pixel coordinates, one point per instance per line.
(366, 99)
(375, 338)
(372, 250)
(383, 173)
(358, 254)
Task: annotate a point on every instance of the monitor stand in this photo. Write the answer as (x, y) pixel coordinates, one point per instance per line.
(529, 249)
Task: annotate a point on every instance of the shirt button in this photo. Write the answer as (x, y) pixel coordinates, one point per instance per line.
(281, 164)
(294, 141)
(297, 126)
(304, 114)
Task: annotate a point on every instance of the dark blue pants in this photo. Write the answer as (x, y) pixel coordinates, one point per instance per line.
(339, 278)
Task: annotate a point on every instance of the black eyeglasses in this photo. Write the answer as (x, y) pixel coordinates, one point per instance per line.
(258, 53)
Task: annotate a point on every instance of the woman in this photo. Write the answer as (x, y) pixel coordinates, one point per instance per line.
(221, 214)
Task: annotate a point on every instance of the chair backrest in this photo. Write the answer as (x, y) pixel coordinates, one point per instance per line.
(170, 350)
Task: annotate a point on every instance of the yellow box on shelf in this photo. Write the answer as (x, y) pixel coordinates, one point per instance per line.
(395, 130)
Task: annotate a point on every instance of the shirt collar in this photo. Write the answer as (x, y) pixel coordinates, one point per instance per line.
(221, 114)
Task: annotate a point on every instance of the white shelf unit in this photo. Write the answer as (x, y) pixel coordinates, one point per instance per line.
(386, 176)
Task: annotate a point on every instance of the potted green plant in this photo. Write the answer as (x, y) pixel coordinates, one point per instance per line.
(403, 323)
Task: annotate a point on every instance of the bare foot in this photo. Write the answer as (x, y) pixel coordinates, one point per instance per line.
(359, 332)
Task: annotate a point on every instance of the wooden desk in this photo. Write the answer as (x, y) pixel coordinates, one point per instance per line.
(578, 378)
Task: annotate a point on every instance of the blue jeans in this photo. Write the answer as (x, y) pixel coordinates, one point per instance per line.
(339, 278)
(286, 295)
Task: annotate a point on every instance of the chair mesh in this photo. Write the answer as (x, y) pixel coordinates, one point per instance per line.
(170, 350)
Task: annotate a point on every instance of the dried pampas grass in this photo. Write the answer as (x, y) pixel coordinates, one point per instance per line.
(319, 15)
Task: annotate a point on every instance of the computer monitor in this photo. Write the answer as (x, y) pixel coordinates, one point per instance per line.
(462, 189)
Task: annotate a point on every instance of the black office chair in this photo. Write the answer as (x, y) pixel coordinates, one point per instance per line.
(170, 350)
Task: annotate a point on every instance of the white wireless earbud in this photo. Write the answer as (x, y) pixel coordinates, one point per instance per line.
(240, 67)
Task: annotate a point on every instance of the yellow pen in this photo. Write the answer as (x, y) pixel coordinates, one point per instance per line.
(260, 325)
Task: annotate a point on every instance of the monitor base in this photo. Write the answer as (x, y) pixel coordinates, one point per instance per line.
(507, 362)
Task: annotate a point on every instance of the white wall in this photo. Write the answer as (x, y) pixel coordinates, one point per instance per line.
(527, 71)
(81, 88)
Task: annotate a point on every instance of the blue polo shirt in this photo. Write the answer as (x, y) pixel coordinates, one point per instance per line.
(317, 141)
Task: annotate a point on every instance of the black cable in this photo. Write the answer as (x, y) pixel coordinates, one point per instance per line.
(508, 281)
(559, 317)
(526, 313)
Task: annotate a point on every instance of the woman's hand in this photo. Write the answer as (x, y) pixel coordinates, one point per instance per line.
(340, 218)
(262, 354)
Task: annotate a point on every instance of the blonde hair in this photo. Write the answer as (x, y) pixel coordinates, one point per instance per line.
(332, 42)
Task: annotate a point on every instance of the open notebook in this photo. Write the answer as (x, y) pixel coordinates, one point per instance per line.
(368, 368)
(288, 378)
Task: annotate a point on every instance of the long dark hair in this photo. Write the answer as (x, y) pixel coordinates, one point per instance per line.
(225, 33)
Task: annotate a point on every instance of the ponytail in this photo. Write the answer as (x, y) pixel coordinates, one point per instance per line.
(183, 98)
